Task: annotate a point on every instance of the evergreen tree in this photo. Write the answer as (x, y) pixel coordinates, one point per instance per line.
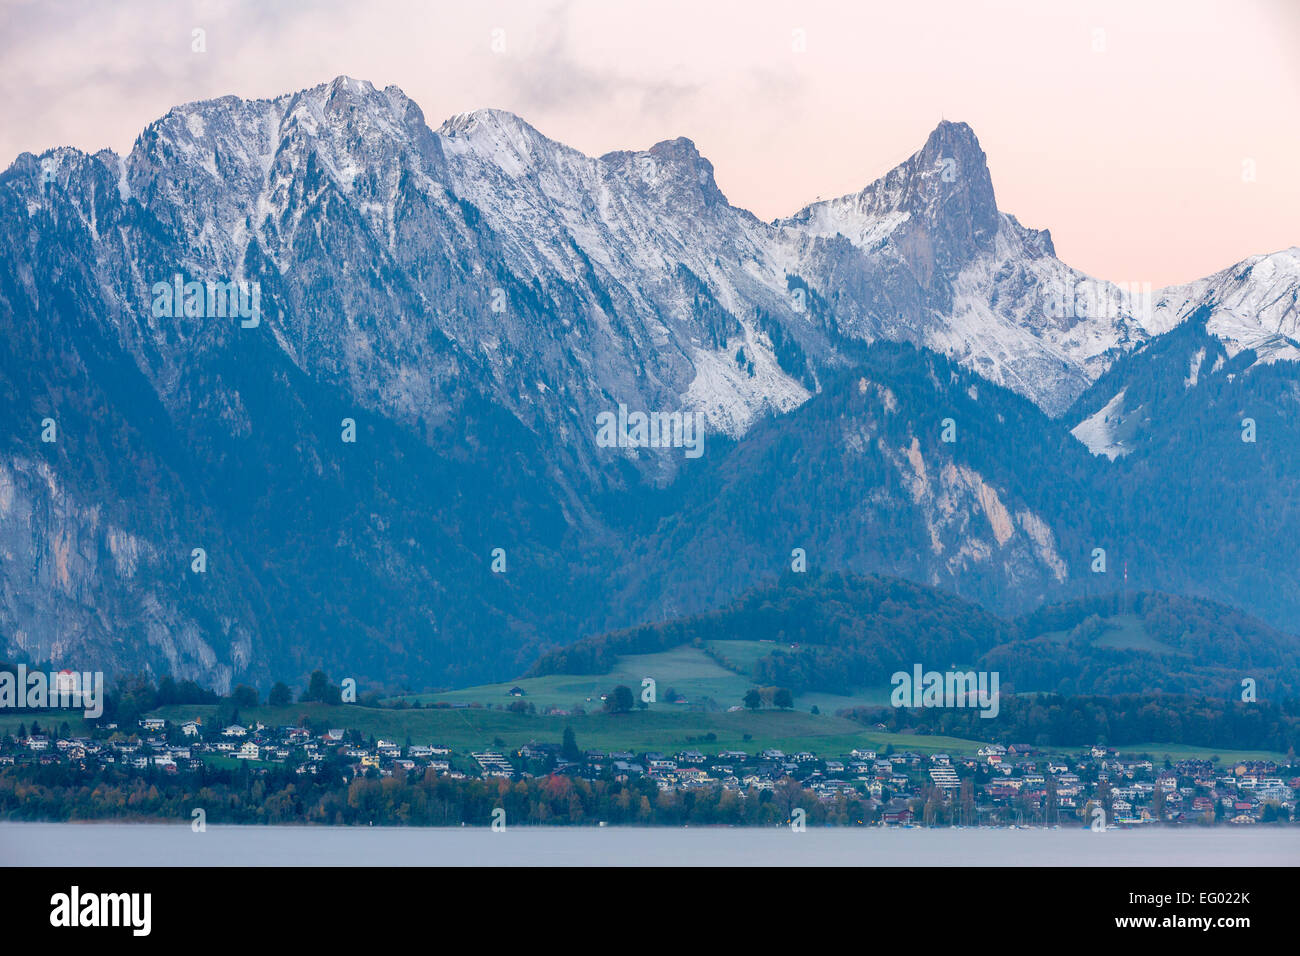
(569, 748)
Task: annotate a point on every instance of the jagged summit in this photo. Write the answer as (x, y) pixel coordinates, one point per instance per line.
(513, 142)
(953, 138)
(673, 169)
(945, 187)
(345, 83)
(487, 119)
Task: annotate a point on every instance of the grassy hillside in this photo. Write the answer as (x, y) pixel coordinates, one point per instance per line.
(845, 637)
(715, 677)
(49, 720)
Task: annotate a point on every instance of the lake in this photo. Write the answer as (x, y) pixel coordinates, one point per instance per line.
(120, 844)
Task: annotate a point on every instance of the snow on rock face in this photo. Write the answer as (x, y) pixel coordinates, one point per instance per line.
(1101, 432)
(731, 397)
(1194, 369)
(407, 259)
(635, 260)
(1254, 304)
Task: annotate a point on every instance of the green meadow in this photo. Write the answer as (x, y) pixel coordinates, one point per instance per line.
(686, 671)
(1158, 752)
(1123, 632)
(660, 727)
(48, 720)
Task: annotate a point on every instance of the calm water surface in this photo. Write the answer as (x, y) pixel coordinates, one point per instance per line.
(115, 844)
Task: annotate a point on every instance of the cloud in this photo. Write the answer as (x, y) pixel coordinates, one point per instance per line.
(550, 75)
(1132, 158)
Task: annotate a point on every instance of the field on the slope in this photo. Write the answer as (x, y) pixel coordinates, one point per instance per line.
(1158, 752)
(688, 671)
(47, 720)
(1123, 632)
(1127, 633)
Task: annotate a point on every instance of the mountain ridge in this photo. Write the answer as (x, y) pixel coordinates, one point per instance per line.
(471, 298)
(935, 272)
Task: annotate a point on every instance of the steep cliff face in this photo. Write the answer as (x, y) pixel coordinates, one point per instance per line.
(909, 466)
(78, 586)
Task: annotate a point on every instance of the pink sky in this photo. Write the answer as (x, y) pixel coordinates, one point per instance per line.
(1123, 127)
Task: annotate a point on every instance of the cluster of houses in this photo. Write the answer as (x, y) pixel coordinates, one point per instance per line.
(1004, 785)
(188, 746)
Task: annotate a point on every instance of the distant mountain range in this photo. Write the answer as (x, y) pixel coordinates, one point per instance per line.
(471, 298)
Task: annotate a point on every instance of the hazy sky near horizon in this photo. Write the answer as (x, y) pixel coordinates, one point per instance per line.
(1159, 141)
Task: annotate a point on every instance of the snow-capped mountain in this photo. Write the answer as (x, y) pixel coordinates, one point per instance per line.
(1253, 305)
(644, 280)
(1239, 320)
(575, 283)
(471, 298)
(950, 272)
